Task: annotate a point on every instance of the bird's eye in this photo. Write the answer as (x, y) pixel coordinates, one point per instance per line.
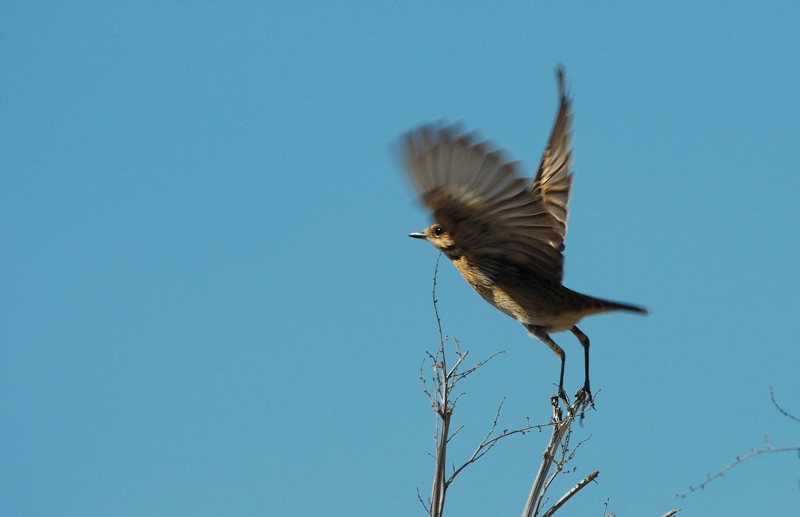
(438, 231)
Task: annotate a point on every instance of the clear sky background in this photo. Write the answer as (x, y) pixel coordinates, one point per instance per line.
(209, 304)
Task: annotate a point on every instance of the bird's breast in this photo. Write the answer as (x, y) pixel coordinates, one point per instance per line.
(526, 299)
(488, 290)
(470, 273)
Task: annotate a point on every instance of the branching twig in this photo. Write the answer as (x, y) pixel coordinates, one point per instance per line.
(419, 496)
(559, 439)
(605, 509)
(753, 452)
(443, 401)
(433, 293)
(670, 513)
(489, 442)
(739, 459)
(472, 369)
(784, 413)
(574, 490)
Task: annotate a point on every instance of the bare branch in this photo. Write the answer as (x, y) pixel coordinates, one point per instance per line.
(443, 402)
(488, 442)
(784, 413)
(574, 490)
(739, 460)
(605, 509)
(670, 513)
(461, 357)
(422, 379)
(768, 449)
(433, 294)
(470, 370)
(454, 433)
(419, 496)
(558, 439)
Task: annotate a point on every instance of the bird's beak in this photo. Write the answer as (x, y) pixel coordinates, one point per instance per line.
(417, 235)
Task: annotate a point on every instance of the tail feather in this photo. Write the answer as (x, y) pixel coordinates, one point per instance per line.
(608, 305)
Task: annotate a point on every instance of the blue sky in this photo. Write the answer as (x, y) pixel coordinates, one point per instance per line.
(210, 305)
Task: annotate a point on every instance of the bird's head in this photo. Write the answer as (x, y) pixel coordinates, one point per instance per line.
(436, 235)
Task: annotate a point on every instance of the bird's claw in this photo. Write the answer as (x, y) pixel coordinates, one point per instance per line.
(562, 395)
(584, 400)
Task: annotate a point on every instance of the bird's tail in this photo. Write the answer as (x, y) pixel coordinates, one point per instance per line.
(608, 305)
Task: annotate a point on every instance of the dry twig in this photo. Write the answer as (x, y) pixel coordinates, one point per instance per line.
(559, 440)
(444, 401)
(767, 449)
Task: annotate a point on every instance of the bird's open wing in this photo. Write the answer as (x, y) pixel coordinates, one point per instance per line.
(482, 201)
(553, 181)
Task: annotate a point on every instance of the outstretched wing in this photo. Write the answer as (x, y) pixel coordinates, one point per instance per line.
(481, 200)
(553, 181)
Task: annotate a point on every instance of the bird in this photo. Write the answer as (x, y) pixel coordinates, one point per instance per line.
(504, 233)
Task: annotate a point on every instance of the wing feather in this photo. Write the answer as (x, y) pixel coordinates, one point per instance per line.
(483, 202)
(553, 181)
(497, 219)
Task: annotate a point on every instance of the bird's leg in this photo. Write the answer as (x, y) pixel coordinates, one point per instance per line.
(585, 343)
(540, 334)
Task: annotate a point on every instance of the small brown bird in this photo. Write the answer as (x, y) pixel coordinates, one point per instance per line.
(504, 235)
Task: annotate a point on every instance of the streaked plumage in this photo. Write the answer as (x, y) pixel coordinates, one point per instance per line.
(504, 234)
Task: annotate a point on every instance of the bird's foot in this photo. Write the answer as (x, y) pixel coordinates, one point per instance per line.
(584, 400)
(562, 395)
